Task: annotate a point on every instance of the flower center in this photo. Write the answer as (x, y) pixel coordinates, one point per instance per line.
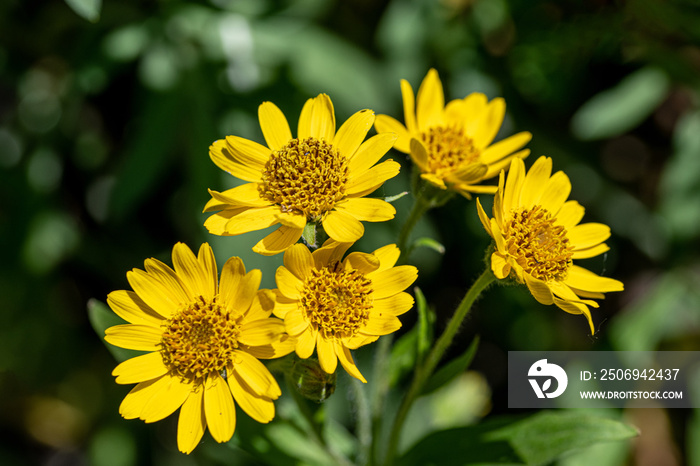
(448, 149)
(337, 302)
(199, 340)
(306, 177)
(539, 246)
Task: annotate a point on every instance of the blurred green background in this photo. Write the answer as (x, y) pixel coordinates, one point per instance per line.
(107, 112)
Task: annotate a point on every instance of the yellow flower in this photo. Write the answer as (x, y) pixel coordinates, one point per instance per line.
(537, 235)
(451, 144)
(320, 176)
(203, 339)
(336, 306)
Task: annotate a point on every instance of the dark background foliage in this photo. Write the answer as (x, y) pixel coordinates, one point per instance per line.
(104, 130)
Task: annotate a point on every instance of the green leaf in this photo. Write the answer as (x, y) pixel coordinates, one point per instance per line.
(616, 110)
(546, 436)
(452, 369)
(148, 154)
(429, 243)
(426, 317)
(87, 9)
(101, 318)
(403, 356)
(538, 439)
(395, 197)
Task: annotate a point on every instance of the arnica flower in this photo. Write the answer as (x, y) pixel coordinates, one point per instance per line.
(336, 306)
(538, 235)
(451, 144)
(203, 339)
(319, 176)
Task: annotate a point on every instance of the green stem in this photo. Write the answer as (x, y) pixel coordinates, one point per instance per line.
(380, 387)
(420, 207)
(364, 422)
(316, 427)
(424, 372)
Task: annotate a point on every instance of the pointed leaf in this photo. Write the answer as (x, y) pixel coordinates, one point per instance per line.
(452, 369)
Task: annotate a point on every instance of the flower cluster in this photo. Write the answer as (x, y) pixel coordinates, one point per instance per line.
(204, 334)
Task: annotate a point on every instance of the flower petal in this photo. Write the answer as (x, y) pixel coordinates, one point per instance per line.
(380, 323)
(369, 153)
(535, 181)
(278, 241)
(163, 297)
(499, 266)
(570, 214)
(504, 147)
(495, 168)
(387, 283)
(342, 227)
(298, 260)
(513, 187)
(200, 282)
(256, 218)
(539, 289)
(306, 342)
(371, 179)
(317, 119)
(261, 332)
(590, 252)
(576, 308)
(362, 262)
(409, 107)
(262, 409)
(329, 252)
(471, 108)
(485, 221)
(588, 235)
(490, 121)
(351, 134)
(192, 422)
(243, 195)
(249, 153)
(296, 221)
(430, 100)
(326, 354)
(135, 336)
(165, 401)
(138, 398)
(386, 125)
(345, 358)
(388, 256)
(232, 273)
(295, 323)
(128, 306)
(419, 154)
(274, 126)
(246, 292)
(367, 209)
(140, 368)
(584, 279)
(289, 285)
(222, 155)
(555, 193)
(395, 305)
(256, 375)
(219, 408)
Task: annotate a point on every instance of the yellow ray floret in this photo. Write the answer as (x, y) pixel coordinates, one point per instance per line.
(537, 235)
(319, 176)
(452, 144)
(335, 305)
(204, 340)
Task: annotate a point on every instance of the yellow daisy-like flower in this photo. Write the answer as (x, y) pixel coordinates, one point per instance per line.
(451, 144)
(537, 235)
(319, 176)
(336, 306)
(204, 340)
